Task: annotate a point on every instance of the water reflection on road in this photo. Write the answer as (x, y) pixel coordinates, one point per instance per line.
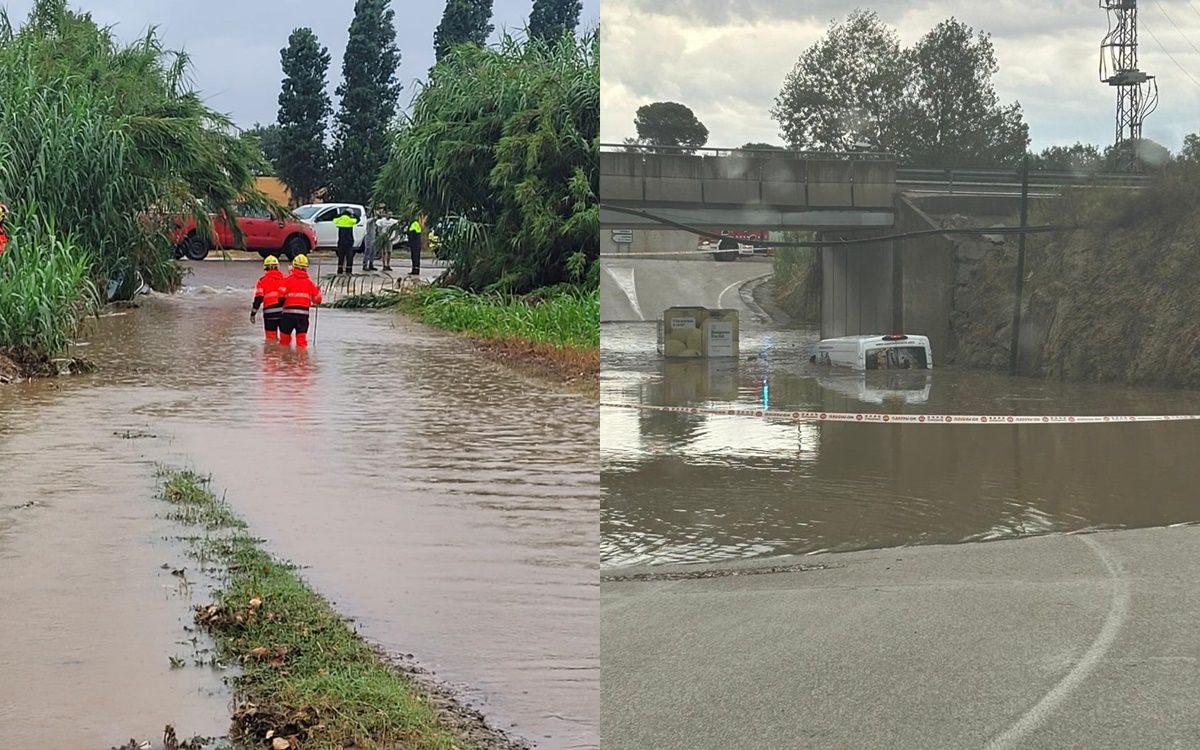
(447, 504)
(706, 488)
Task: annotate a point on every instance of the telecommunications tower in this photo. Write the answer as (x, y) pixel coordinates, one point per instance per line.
(1137, 92)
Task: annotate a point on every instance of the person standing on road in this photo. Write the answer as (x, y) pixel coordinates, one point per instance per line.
(370, 241)
(300, 294)
(268, 294)
(385, 238)
(414, 246)
(345, 224)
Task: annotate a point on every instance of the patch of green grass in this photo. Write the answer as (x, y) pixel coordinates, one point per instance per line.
(306, 675)
(195, 505)
(564, 316)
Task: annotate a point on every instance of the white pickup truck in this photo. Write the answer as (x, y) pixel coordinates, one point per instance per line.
(320, 217)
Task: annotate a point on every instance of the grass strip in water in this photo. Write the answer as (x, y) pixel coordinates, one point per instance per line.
(553, 333)
(307, 679)
(558, 317)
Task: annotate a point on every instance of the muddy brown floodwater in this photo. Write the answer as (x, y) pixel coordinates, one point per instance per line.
(690, 488)
(447, 504)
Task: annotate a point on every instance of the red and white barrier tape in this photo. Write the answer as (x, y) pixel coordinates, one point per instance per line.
(978, 419)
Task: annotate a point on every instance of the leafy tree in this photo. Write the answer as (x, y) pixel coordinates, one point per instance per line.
(1191, 148)
(761, 147)
(302, 162)
(463, 22)
(846, 89)
(551, 19)
(669, 124)
(369, 93)
(952, 114)
(1084, 157)
(933, 104)
(266, 138)
(505, 141)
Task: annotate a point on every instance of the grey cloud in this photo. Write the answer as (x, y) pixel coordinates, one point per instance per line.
(1048, 54)
(235, 44)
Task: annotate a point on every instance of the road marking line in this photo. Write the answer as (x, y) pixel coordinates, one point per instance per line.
(628, 286)
(725, 291)
(1118, 612)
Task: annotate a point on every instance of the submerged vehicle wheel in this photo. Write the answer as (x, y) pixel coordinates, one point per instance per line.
(195, 248)
(295, 245)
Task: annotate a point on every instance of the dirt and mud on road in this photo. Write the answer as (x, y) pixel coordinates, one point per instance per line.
(446, 503)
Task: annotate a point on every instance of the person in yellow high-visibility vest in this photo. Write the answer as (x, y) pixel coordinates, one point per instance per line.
(345, 224)
(414, 246)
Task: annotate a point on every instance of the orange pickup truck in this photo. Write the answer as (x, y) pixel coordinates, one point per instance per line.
(261, 232)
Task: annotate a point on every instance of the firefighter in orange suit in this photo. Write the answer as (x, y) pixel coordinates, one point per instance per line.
(299, 295)
(268, 295)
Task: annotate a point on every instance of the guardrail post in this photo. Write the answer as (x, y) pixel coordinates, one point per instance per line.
(1016, 319)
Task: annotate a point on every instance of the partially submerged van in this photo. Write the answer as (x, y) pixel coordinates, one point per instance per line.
(892, 352)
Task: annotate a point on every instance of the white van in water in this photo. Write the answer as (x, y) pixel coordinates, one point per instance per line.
(894, 352)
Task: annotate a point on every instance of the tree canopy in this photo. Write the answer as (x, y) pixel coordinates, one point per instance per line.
(463, 22)
(933, 104)
(302, 162)
(369, 93)
(669, 124)
(551, 19)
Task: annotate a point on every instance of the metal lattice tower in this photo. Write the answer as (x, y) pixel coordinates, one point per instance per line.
(1119, 68)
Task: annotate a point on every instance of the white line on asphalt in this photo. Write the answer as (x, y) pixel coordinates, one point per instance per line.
(725, 291)
(1118, 611)
(628, 286)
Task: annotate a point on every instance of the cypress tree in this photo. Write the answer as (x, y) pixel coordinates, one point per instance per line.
(369, 93)
(301, 158)
(551, 19)
(463, 21)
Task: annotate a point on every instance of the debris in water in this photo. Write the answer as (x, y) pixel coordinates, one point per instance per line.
(133, 434)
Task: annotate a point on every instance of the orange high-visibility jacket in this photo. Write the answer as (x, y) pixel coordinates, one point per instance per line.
(300, 293)
(269, 291)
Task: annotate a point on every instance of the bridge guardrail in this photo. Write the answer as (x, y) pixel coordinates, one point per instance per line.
(758, 152)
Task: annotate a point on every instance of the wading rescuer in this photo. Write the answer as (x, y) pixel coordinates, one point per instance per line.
(299, 295)
(345, 224)
(269, 295)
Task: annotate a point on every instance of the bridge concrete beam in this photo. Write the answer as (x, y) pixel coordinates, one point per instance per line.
(724, 217)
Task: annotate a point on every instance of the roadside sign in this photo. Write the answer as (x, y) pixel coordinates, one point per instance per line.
(622, 236)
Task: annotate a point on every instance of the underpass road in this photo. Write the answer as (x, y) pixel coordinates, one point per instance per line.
(660, 284)
(1067, 641)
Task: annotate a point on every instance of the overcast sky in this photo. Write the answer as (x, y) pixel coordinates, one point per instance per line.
(235, 44)
(727, 60)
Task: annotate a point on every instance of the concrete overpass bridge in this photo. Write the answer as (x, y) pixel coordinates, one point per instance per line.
(722, 188)
(890, 285)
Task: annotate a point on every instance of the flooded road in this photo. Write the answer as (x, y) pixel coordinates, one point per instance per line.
(447, 504)
(684, 488)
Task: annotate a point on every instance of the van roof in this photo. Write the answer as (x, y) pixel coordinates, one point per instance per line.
(915, 338)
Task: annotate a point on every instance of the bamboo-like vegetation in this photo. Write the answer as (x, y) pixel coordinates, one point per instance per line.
(45, 288)
(102, 141)
(507, 138)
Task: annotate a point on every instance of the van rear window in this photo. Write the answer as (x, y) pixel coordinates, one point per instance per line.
(897, 358)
